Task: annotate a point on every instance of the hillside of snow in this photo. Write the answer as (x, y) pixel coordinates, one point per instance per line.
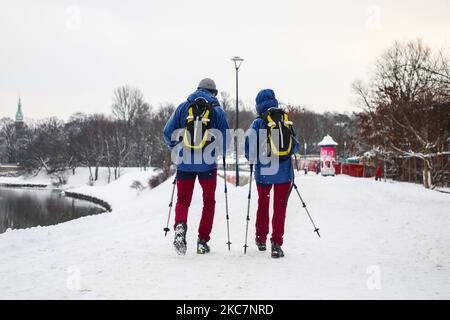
(80, 178)
(379, 241)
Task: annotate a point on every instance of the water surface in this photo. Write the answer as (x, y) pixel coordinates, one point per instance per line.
(24, 208)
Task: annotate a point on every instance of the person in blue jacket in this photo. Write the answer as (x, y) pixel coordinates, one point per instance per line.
(280, 179)
(188, 170)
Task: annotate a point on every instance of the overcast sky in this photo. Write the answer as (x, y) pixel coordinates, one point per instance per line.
(68, 56)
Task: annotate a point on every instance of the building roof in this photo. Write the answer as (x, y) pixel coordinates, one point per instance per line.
(327, 141)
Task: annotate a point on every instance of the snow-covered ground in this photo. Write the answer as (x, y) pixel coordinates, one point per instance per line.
(379, 240)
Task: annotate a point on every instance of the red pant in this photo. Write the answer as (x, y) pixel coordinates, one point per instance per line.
(185, 187)
(281, 193)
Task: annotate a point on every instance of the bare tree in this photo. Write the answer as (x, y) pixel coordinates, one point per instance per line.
(47, 149)
(8, 133)
(160, 155)
(126, 102)
(142, 136)
(246, 114)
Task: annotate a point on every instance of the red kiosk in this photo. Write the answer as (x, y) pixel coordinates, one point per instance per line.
(327, 156)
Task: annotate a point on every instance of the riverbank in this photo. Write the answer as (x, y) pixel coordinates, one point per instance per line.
(79, 185)
(21, 185)
(92, 199)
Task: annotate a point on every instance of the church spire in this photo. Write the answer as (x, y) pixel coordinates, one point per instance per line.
(19, 113)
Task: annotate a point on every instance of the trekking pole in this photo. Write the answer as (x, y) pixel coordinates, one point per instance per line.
(293, 178)
(301, 199)
(307, 212)
(226, 202)
(166, 229)
(296, 166)
(248, 207)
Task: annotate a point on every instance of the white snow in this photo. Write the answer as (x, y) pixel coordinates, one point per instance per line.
(80, 178)
(379, 240)
(327, 141)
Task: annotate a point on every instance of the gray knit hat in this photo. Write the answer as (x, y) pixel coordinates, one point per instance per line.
(208, 84)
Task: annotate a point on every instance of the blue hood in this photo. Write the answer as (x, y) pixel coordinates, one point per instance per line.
(204, 94)
(265, 100)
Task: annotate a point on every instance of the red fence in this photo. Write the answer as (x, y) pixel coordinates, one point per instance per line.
(357, 170)
(310, 165)
(351, 169)
(338, 167)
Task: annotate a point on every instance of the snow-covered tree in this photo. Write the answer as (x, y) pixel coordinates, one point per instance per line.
(406, 105)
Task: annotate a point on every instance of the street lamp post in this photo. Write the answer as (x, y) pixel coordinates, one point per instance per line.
(237, 63)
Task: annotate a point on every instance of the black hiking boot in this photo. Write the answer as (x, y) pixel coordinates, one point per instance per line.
(277, 252)
(180, 238)
(261, 245)
(202, 246)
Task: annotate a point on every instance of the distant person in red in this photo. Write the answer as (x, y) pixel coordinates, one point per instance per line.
(378, 173)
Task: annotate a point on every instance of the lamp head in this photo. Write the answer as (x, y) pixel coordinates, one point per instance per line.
(237, 61)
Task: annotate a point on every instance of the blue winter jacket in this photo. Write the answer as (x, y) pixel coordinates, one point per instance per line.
(177, 121)
(265, 100)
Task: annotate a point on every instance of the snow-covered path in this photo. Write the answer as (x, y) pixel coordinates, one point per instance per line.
(379, 240)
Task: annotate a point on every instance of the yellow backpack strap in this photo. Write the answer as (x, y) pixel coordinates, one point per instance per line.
(270, 122)
(205, 118)
(202, 143)
(281, 153)
(185, 139)
(287, 122)
(190, 116)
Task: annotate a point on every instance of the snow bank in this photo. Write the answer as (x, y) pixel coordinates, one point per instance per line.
(119, 192)
(80, 178)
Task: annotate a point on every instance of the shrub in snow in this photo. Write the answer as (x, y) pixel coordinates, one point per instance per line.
(156, 180)
(59, 178)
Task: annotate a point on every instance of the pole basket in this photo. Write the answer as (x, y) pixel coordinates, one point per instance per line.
(166, 230)
(317, 231)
